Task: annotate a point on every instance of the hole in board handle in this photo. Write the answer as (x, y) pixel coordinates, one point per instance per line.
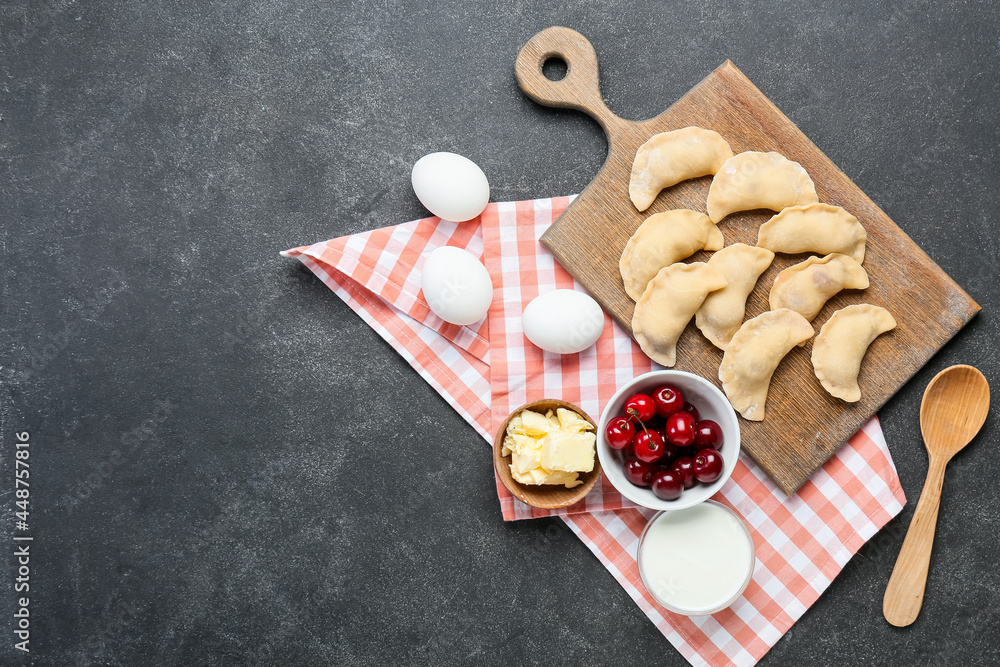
(554, 68)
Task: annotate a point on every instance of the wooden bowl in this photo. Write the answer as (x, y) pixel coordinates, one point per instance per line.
(545, 497)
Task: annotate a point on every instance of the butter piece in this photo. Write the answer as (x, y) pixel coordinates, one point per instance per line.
(533, 477)
(539, 476)
(567, 479)
(569, 452)
(515, 425)
(528, 458)
(518, 442)
(571, 422)
(536, 425)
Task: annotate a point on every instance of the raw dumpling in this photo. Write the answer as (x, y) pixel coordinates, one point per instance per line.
(753, 354)
(671, 157)
(722, 313)
(758, 180)
(842, 343)
(806, 286)
(667, 305)
(661, 240)
(820, 228)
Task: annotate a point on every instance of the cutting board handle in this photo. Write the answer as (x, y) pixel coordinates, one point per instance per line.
(580, 89)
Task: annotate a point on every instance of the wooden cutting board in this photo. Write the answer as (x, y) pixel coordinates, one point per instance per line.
(804, 425)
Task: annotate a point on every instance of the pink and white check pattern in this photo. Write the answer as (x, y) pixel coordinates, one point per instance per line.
(488, 369)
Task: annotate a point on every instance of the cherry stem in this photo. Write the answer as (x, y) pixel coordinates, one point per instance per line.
(632, 412)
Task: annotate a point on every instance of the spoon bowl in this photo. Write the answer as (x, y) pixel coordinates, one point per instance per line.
(952, 412)
(953, 409)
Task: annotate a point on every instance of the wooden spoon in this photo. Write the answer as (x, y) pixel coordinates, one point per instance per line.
(952, 411)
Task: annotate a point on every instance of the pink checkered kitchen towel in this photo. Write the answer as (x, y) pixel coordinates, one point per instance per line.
(487, 369)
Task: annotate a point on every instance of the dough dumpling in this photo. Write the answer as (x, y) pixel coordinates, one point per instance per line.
(671, 157)
(662, 240)
(819, 228)
(668, 304)
(753, 355)
(721, 315)
(842, 343)
(758, 180)
(805, 287)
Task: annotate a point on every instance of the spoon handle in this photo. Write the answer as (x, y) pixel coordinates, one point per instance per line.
(905, 593)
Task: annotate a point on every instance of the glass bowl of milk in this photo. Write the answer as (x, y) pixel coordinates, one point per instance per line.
(696, 561)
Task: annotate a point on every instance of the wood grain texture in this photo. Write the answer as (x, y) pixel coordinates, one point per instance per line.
(952, 412)
(805, 425)
(548, 497)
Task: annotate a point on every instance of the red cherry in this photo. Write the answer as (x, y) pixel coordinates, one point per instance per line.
(668, 400)
(648, 446)
(684, 466)
(670, 452)
(628, 452)
(619, 432)
(708, 433)
(680, 429)
(639, 472)
(708, 465)
(640, 406)
(691, 409)
(667, 485)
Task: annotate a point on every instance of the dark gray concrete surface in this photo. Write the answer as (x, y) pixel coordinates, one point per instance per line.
(229, 468)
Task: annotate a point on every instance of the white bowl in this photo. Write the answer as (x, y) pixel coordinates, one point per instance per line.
(739, 570)
(711, 403)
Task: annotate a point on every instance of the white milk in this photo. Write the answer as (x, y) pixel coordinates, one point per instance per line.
(697, 559)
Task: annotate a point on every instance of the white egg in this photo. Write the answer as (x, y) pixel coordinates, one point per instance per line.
(456, 285)
(563, 321)
(451, 186)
